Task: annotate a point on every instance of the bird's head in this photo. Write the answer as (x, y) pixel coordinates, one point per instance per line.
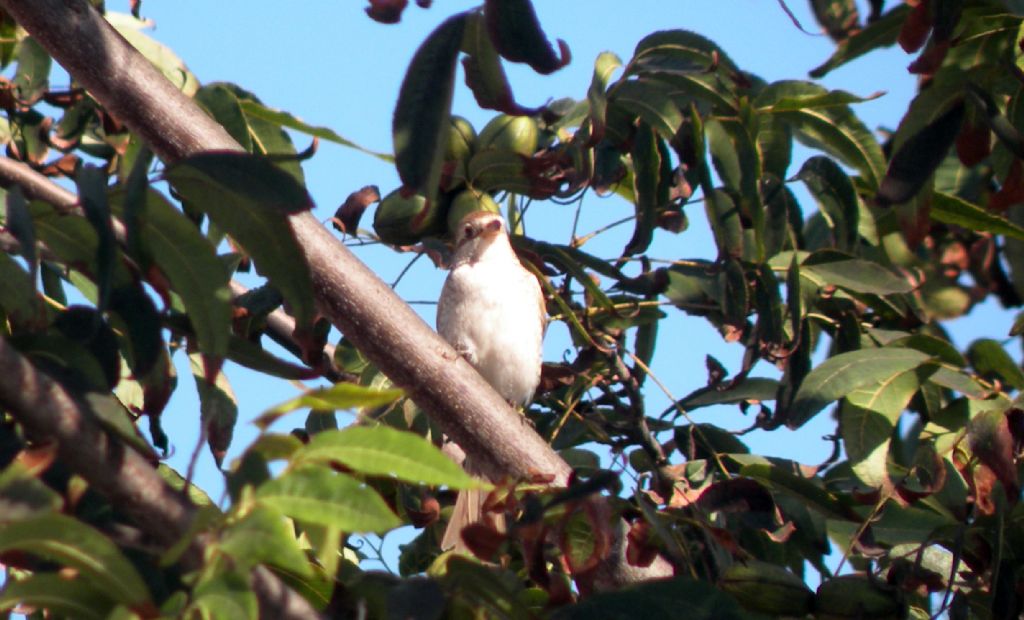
(477, 232)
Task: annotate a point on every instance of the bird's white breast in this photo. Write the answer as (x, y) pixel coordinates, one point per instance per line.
(491, 311)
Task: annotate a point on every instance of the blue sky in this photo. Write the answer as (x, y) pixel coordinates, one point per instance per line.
(329, 64)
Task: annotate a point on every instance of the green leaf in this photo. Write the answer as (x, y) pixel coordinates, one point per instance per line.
(758, 389)
(651, 101)
(842, 374)
(224, 596)
(992, 361)
(18, 297)
(807, 491)
(834, 130)
(263, 536)
(250, 198)
(597, 95)
(918, 157)
(70, 598)
(880, 33)
(494, 169)
(92, 194)
(385, 451)
(647, 182)
(679, 597)
(517, 35)
(255, 110)
(22, 495)
(829, 267)
(218, 407)
(160, 55)
(678, 51)
(173, 243)
(70, 542)
(338, 396)
(420, 124)
(830, 99)
(224, 106)
(18, 222)
(485, 75)
(836, 197)
(724, 217)
(320, 496)
(950, 209)
(32, 77)
(866, 423)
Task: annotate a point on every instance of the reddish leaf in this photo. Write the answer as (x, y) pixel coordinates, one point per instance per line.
(346, 218)
(639, 550)
(427, 513)
(973, 144)
(517, 36)
(386, 11)
(1012, 190)
(930, 60)
(736, 495)
(992, 443)
(915, 28)
(483, 540)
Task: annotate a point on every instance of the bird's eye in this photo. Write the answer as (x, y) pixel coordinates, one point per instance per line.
(467, 232)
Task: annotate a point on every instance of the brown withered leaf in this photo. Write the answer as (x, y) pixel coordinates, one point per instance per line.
(483, 540)
(428, 512)
(915, 28)
(1012, 190)
(992, 443)
(386, 11)
(346, 218)
(63, 167)
(973, 143)
(736, 495)
(554, 376)
(640, 550)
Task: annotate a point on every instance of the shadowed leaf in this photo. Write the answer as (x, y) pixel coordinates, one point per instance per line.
(420, 124)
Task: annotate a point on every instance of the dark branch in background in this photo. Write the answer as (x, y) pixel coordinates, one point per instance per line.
(350, 295)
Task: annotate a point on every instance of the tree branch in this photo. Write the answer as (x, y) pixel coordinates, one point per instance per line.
(126, 478)
(362, 306)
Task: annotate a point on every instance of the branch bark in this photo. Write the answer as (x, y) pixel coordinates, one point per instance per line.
(353, 298)
(125, 477)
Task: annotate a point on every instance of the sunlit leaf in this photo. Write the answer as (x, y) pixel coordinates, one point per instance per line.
(338, 396)
(842, 374)
(263, 536)
(385, 451)
(320, 496)
(71, 598)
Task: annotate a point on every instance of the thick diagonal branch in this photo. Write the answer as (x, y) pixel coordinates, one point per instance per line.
(362, 306)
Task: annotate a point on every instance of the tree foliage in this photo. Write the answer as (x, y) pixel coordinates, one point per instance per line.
(834, 275)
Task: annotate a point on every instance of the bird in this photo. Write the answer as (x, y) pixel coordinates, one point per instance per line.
(491, 311)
